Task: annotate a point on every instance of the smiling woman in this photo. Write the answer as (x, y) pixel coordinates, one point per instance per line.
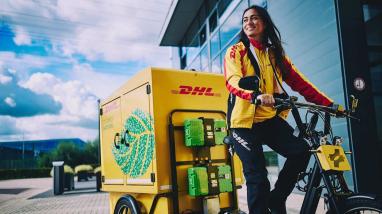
(254, 69)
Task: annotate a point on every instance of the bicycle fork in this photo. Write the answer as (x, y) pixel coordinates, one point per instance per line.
(313, 193)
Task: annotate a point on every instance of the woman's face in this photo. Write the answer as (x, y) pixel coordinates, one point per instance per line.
(253, 25)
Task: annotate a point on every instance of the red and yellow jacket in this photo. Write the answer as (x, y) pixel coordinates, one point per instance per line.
(241, 113)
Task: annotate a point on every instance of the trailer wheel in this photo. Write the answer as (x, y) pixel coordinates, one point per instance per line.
(127, 204)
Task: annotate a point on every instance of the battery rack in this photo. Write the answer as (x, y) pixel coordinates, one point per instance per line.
(202, 159)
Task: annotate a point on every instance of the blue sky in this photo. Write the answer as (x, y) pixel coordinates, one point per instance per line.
(58, 57)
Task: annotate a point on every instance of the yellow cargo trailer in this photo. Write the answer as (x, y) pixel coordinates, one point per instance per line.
(144, 158)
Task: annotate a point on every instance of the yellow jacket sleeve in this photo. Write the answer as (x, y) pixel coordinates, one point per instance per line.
(234, 71)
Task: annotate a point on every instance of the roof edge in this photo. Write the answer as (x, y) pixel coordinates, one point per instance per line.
(173, 5)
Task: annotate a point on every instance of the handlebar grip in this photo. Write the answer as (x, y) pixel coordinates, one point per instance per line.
(257, 102)
(278, 101)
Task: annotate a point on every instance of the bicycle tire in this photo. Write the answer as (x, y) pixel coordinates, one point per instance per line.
(362, 204)
(127, 204)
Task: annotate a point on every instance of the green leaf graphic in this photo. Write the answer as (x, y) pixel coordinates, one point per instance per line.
(136, 155)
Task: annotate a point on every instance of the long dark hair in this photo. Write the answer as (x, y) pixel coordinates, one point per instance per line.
(271, 37)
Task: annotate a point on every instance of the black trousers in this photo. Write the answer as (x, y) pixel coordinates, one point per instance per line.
(278, 135)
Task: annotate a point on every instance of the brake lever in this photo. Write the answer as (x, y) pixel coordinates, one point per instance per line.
(355, 118)
(347, 114)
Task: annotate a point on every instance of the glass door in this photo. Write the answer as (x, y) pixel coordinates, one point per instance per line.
(372, 11)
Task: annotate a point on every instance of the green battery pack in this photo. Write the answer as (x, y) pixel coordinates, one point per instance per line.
(225, 178)
(197, 181)
(220, 131)
(193, 132)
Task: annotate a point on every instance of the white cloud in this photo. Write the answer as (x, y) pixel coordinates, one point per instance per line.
(74, 96)
(35, 128)
(101, 84)
(41, 83)
(113, 30)
(8, 126)
(22, 37)
(11, 102)
(11, 71)
(4, 79)
(124, 31)
(22, 63)
(42, 127)
(79, 113)
(78, 116)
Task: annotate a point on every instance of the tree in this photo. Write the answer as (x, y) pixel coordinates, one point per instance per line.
(71, 155)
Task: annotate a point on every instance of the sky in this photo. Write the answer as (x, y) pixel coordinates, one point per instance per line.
(59, 57)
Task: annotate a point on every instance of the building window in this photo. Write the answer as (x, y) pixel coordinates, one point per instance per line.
(204, 58)
(222, 6)
(192, 50)
(208, 46)
(195, 65)
(214, 44)
(202, 35)
(216, 66)
(373, 18)
(213, 21)
(183, 62)
(232, 25)
(261, 3)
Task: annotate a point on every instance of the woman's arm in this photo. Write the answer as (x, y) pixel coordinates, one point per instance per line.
(298, 82)
(233, 72)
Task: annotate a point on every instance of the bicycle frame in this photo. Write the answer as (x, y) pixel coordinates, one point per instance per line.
(313, 187)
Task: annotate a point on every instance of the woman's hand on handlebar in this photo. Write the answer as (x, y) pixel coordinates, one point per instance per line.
(266, 100)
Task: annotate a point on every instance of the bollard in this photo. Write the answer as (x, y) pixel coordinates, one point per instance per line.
(58, 177)
(98, 181)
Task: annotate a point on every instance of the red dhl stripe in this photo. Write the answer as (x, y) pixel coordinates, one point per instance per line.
(238, 92)
(303, 86)
(242, 54)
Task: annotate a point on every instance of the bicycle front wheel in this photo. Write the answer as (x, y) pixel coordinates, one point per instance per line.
(362, 205)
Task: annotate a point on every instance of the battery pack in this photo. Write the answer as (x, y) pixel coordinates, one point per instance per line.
(193, 132)
(204, 132)
(197, 181)
(220, 131)
(225, 178)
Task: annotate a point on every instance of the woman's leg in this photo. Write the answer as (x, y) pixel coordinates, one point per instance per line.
(297, 156)
(250, 152)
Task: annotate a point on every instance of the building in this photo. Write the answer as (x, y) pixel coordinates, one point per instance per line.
(336, 44)
(24, 154)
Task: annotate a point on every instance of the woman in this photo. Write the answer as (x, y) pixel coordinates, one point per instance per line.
(259, 59)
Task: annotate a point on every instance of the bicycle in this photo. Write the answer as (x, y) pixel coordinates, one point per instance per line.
(330, 161)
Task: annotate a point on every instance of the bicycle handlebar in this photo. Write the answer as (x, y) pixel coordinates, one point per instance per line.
(291, 102)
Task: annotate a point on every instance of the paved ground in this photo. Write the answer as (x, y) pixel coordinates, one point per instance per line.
(294, 200)
(35, 196)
